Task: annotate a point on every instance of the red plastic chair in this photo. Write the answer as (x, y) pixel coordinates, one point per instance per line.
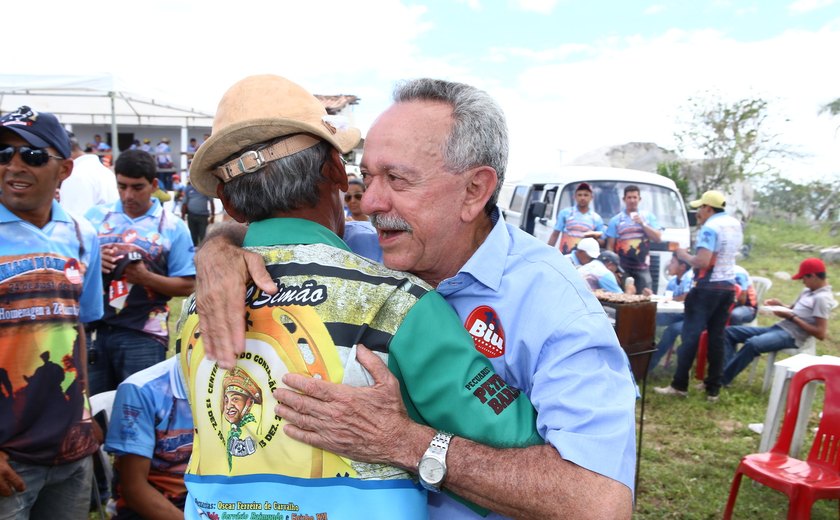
(804, 482)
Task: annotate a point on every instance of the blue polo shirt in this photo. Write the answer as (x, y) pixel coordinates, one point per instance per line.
(163, 241)
(722, 235)
(50, 281)
(545, 333)
(574, 224)
(631, 242)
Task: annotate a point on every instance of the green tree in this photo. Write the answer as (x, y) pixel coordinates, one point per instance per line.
(732, 139)
(832, 108)
(817, 200)
(673, 171)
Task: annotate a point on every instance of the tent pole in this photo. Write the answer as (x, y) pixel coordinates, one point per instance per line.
(115, 137)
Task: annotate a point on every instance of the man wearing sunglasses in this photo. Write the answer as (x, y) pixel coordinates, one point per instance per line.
(49, 286)
(806, 317)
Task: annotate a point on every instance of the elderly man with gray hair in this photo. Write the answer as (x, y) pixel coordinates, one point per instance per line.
(274, 159)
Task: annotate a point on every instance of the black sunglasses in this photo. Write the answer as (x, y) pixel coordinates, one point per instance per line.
(31, 156)
(348, 197)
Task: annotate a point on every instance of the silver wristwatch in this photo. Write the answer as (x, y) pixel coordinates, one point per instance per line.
(432, 467)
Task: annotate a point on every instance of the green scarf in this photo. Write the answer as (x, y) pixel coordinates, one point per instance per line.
(234, 433)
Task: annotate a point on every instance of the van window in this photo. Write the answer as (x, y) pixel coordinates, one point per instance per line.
(607, 195)
(519, 197)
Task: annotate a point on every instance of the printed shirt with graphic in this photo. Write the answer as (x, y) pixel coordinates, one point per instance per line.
(151, 418)
(596, 274)
(681, 286)
(163, 240)
(49, 282)
(722, 235)
(631, 242)
(808, 306)
(557, 346)
(330, 300)
(573, 225)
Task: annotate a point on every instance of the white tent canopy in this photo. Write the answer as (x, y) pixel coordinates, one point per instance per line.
(94, 100)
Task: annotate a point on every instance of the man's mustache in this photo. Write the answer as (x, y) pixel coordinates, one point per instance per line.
(389, 222)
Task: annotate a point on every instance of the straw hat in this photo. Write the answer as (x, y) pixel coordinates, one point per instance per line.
(258, 109)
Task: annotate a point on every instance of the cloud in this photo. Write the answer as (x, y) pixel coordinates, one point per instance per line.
(636, 89)
(806, 6)
(536, 6)
(654, 9)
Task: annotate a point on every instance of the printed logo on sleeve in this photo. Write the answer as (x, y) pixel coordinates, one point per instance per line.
(486, 329)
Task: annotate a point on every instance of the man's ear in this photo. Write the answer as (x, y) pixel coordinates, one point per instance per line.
(481, 183)
(334, 170)
(233, 212)
(65, 171)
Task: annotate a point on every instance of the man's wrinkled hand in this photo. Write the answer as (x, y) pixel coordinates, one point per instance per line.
(222, 272)
(10, 482)
(360, 423)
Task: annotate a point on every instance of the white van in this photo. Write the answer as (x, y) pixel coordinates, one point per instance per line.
(533, 205)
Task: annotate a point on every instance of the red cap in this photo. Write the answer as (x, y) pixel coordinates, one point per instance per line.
(810, 266)
(583, 186)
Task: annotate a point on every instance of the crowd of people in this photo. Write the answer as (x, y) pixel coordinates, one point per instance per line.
(306, 365)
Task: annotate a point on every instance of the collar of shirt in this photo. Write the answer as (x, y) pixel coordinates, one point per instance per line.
(176, 379)
(484, 265)
(290, 231)
(57, 214)
(153, 211)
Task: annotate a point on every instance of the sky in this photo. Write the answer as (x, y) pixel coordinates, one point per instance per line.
(571, 75)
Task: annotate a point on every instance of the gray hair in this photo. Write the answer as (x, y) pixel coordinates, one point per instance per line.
(280, 186)
(479, 134)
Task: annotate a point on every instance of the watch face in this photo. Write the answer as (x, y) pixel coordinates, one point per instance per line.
(431, 470)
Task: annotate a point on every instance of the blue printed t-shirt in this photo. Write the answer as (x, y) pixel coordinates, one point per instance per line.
(681, 286)
(596, 274)
(631, 242)
(163, 241)
(722, 235)
(49, 283)
(569, 363)
(573, 225)
(151, 418)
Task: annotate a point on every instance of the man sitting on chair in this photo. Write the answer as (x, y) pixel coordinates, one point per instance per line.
(808, 316)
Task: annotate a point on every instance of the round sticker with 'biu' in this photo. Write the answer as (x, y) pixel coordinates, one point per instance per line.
(72, 271)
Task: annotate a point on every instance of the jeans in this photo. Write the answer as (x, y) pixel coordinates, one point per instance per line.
(117, 353)
(52, 492)
(742, 314)
(705, 309)
(756, 340)
(198, 227)
(669, 336)
(642, 278)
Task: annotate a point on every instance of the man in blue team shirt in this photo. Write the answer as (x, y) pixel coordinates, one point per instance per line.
(49, 287)
(746, 305)
(147, 258)
(578, 222)
(590, 267)
(682, 277)
(151, 437)
(630, 233)
(708, 303)
(433, 165)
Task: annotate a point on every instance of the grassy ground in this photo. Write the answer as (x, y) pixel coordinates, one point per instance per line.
(691, 447)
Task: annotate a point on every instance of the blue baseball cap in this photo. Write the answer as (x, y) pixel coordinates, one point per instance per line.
(40, 129)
